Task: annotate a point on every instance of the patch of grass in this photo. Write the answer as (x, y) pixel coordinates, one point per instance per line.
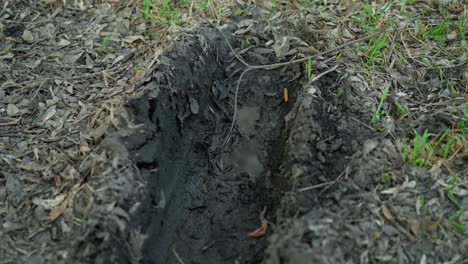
(274, 3)
(404, 149)
(452, 184)
(240, 12)
(374, 49)
(378, 113)
(425, 149)
(308, 65)
(403, 110)
(55, 55)
(104, 43)
(340, 92)
(462, 20)
(246, 42)
(421, 144)
(439, 31)
(203, 5)
(147, 8)
(368, 17)
(163, 11)
(422, 200)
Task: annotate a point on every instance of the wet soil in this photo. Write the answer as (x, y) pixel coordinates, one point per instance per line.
(202, 198)
(85, 181)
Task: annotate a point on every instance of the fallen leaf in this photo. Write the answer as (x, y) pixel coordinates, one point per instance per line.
(12, 110)
(377, 235)
(49, 203)
(260, 231)
(431, 226)
(131, 39)
(414, 227)
(49, 114)
(11, 123)
(387, 213)
(58, 210)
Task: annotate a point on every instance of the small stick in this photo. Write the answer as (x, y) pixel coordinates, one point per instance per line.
(323, 74)
(177, 256)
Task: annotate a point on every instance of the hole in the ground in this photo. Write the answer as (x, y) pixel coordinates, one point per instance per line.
(204, 199)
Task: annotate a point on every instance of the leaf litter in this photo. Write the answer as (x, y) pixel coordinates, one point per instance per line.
(69, 189)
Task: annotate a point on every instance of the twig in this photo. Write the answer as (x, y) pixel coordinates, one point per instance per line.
(389, 56)
(322, 74)
(177, 256)
(276, 65)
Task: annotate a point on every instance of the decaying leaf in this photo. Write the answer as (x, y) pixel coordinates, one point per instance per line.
(387, 213)
(58, 210)
(432, 225)
(50, 203)
(131, 39)
(12, 110)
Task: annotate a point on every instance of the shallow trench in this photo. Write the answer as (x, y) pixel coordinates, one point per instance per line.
(204, 199)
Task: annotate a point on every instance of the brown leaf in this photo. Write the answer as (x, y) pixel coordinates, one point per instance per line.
(11, 123)
(58, 210)
(431, 226)
(261, 230)
(387, 213)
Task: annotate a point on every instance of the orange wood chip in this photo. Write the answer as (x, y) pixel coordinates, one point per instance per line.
(286, 95)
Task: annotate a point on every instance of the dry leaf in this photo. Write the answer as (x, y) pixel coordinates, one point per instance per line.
(49, 113)
(387, 213)
(431, 226)
(261, 230)
(30, 166)
(49, 203)
(377, 235)
(12, 110)
(414, 227)
(58, 210)
(11, 123)
(131, 39)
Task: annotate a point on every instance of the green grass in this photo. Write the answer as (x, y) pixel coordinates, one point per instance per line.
(461, 26)
(163, 11)
(420, 144)
(147, 8)
(403, 110)
(378, 113)
(240, 12)
(308, 65)
(104, 43)
(340, 92)
(374, 49)
(425, 149)
(452, 184)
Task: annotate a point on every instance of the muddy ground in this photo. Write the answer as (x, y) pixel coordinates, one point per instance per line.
(123, 153)
(204, 198)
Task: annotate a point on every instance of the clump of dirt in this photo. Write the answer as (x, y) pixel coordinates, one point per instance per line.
(335, 163)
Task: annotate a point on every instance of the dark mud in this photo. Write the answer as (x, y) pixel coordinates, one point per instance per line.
(333, 212)
(311, 167)
(204, 199)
